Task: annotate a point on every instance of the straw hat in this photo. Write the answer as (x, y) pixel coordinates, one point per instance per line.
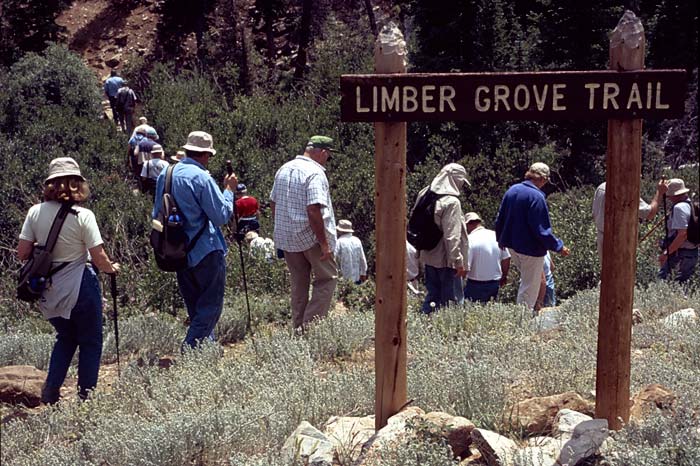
(178, 156)
(345, 226)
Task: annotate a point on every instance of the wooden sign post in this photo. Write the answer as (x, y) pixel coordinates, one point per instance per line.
(390, 202)
(622, 95)
(623, 172)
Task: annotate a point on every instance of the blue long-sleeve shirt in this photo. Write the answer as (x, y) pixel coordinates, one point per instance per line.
(199, 200)
(523, 222)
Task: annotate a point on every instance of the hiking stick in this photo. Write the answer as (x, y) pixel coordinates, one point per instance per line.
(653, 229)
(113, 290)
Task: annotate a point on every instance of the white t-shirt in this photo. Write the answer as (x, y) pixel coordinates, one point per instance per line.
(78, 234)
(485, 256)
(152, 168)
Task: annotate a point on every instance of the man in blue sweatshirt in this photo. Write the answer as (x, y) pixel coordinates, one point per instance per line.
(523, 226)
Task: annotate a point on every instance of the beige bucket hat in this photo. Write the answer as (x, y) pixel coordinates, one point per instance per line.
(63, 166)
(345, 226)
(199, 141)
(676, 187)
(472, 217)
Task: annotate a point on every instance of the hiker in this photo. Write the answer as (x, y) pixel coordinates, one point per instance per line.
(523, 226)
(131, 148)
(679, 254)
(142, 151)
(152, 168)
(111, 87)
(349, 254)
(179, 155)
(488, 263)
(646, 211)
(73, 301)
(260, 247)
(204, 208)
(126, 101)
(305, 230)
(143, 126)
(546, 296)
(445, 265)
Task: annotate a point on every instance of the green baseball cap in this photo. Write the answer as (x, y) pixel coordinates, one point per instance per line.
(321, 142)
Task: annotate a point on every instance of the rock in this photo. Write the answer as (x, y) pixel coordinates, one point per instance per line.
(536, 415)
(348, 434)
(566, 421)
(649, 399)
(456, 430)
(547, 319)
(121, 39)
(113, 61)
(587, 438)
(309, 445)
(680, 318)
(496, 449)
(392, 435)
(21, 384)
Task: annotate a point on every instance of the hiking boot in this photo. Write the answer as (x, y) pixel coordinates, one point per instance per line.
(50, 395)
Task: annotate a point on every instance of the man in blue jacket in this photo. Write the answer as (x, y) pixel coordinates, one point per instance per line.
(205, 208)
(523, 226)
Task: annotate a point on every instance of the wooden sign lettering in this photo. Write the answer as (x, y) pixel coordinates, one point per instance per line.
(556, 95)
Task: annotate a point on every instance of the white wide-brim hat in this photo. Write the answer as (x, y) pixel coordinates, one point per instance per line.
(63, 166)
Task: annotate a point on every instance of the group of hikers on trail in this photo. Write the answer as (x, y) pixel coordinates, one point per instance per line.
(458, 256)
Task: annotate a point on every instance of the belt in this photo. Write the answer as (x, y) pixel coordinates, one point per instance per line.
(481, 281)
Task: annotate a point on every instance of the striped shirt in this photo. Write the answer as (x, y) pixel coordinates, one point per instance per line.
(300, 183)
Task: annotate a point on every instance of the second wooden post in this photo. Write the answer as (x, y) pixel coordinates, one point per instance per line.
(623, 165)
(390, 205)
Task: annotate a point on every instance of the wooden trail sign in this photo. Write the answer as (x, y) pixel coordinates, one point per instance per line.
(623, 98)
(553, 95)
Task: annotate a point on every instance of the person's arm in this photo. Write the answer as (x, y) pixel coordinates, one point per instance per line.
(101, 260)
(661, 189)
(217, 205)
(313, 211)
(541, 226)
(24, 249)
(681, 236)
(505, 267)
(451, 226)
(363, 264)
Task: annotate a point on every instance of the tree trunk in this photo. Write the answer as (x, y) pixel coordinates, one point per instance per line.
(304, 38)
(269, 19)
(370, 15)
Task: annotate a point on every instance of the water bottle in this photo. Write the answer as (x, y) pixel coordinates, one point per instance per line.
(174, 218)
(37, 284)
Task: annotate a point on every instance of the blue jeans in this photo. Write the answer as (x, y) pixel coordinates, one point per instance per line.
(481, 291)
(550, 298)
(83, 330)
(684, 260)
(443, 287)
(202, 289)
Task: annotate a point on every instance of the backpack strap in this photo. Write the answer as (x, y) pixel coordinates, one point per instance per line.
(167, 190)
(57, 225)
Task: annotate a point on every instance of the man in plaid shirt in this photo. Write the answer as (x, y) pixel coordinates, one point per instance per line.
(305, 229)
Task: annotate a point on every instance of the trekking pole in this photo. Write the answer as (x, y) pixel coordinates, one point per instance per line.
(113, 289)
(653, 229)
(238, 237)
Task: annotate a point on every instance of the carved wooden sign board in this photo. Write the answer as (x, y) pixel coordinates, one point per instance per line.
(555, 95)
